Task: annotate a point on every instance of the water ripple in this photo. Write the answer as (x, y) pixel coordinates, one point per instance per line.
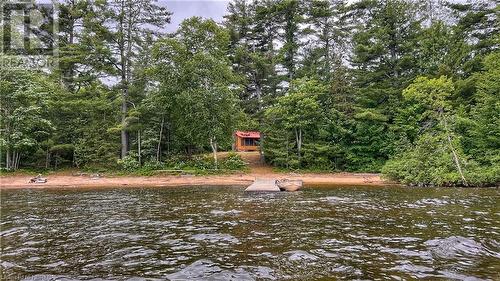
(222, 233)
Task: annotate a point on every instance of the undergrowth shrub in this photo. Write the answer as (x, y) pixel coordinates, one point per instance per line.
(233, 162)
(129, 162)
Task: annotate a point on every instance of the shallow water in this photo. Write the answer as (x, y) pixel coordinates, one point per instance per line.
(222, 233)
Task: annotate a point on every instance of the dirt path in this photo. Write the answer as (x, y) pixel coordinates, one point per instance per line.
(255, 164)
(257, 170)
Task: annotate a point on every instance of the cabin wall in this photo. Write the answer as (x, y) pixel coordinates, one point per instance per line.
(239, 147)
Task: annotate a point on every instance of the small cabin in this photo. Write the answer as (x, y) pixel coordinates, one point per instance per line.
(246, 141)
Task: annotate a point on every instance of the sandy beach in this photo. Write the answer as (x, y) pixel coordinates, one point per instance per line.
(256, 170)
(54, 181)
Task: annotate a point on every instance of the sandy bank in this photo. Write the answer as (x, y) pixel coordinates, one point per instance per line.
(22, 181)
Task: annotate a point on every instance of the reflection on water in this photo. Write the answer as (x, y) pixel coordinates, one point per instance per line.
(222, 233)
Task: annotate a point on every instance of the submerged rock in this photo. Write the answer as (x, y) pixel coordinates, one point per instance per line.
(207, 270)
(215, 238)
(225, 213)
(455, 247)
(301, 255)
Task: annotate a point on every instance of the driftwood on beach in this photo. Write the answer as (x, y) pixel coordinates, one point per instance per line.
(38, 179)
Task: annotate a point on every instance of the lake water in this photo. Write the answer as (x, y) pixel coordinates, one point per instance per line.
(223, 233)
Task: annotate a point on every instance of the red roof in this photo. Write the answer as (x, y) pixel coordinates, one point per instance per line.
(250, 135)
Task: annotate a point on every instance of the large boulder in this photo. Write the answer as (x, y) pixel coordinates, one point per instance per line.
(289, 185)
(268, 185)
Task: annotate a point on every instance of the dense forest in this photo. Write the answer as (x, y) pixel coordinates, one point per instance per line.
(407, 88)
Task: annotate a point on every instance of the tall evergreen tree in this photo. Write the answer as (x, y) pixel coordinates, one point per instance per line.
(124, 26)
(291, 17)
(384, 64)
(252, 27)
(326, 48)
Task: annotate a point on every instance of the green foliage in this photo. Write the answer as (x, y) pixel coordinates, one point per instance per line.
(62, 149)
(483, 134)
(431, 93)
(183, 162)
(233, 162)
(428, 163)
(196, 81)
(409, 87)
(129, 163)
(441, 152)
(199, 164)
(85, 119)
(60, 154)
(292, 119)
(24, 99)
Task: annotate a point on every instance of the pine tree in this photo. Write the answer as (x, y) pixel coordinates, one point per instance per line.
(384, 64)
(326, 49)
(252, 28)
(124, 25)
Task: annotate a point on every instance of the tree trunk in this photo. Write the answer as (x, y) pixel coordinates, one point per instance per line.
(124, 71)
(139, 147)
(168, 138)
(287, 151)
(327, 50)
(298, 137)
(455, 156)
(70, 72)
(14, 160)
(47, 158)
(124, 134)
(430, 7)
(18, 160)
(261, 148)
(258, 91)
(213, 144)
(7, 159)
(158, 149)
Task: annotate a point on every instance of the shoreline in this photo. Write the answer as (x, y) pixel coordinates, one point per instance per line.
(241, 179)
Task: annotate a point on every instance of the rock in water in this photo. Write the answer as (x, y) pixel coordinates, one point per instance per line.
(289, 185)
